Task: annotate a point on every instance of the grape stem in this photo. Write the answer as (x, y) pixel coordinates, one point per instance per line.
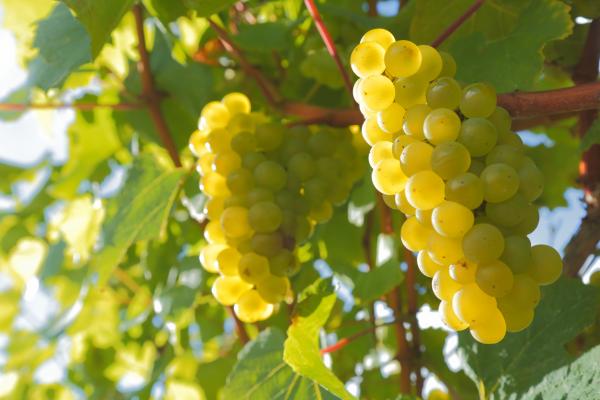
(411, 296)
(329, 43)
(403, 350)
(150, 93)
(340, 344)
(457, 23)
(368, 253)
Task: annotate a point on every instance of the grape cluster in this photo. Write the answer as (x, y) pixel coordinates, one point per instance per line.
(267, 187)
(445, 156)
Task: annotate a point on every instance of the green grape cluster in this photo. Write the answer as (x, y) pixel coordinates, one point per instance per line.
(444, 154)
(267, 187)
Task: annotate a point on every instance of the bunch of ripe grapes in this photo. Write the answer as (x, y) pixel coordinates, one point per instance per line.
(443, 153)
(268, 185)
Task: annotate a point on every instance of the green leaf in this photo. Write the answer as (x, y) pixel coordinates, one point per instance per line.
(212, 375)
(100, 18)
(319, 65)
(260, 373)
(591, 137)
(140, 211)
(63, 46)
(264, 37)
(522, 359)
(377, 282)
(301, 349)
(166, 10)
(93, 139)
(578, 380)
(501, 61)
(206, 8)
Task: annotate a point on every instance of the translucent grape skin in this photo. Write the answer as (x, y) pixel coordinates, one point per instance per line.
(484, 243)
(444, 287)
(452, 219)
(388, 177)
(431, 63)
(494, 278)
(427, 265)
(367, 59)
(509, 212)
(471, 304)
(251, 307)
(517, 253)
(466, 189)
(546, 264)
(500, 182)
(450, 159)
(416, 157)
(414, 235)
(402, 58)
(425, 190)
(478, 135)
(478, 100)
(490, 329)
(444, 92)
(414, 120)
(448, 316)
(391, 119)
(441, 125)
(463, 271)
(377, 92)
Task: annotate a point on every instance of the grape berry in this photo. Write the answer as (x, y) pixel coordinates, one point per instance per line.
(444, 155)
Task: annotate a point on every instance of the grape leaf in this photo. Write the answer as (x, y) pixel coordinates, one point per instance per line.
(99, 18)
(500, 61)
(301, 349)
(260, 373)
(139, 211)
(206, 8)
(264, 37)
(591, 137)
(372, 285)
(166, 10)
(578, 380)
(63, 46)
(522, 359)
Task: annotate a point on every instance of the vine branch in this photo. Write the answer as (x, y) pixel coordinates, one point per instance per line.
(150, 94)
(457, 23)
(403, 351)
(340, 344)
(329, 43)
(411, 296)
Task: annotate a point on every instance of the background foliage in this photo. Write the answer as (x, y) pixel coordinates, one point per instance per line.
(101, 292)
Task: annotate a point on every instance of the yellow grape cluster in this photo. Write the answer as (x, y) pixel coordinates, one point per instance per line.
(444, 154)
(267, 187)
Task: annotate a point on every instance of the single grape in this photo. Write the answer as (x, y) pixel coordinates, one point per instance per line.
(444, 93)
(441, 125)
(241, 123)
(452, 219)
(478, 135)
(227, 261)
(546, 264)
(414, 235)
(367, 59)
(424, 190)
(322, 212)
(377, 92)
(380, 151)
(402, 58)
(252, 159)
(270, 175)
(517, 253)
(382, 37)
(253, 267)
(501, 119)
(214, 207)
(431, 63)
(267, 244)
(463, 271)
(529, 222)
(214, 184)
(391, 119)
(218, 141)
(471, 304)
(403, 205)
(416, 157)
(505, 154)
(356, 92)
(269, 136)
(490, 329)
(302, 165)
(531, 181)
(509, 212)
(511, 138)
(500, 182)
(237, 103)
(240, 181)
(243, 143)
(444, 250)
(494, 278)
(444, 287)
(450, 318)
(258, 194)
(466, 189)
(282, 263)
(410, 91)
(228, 289)
(224, 163)
(448, 65)
(265, 217)
(273, 289)
(400, 143)
(414, 120)
(316, 190)
(235, 222)
(214, 115)
(517, 318)
(525, 292)
(478, 100)
(390, 201)
(450, 159)
(484, 243)
(208, 256)
(425, 217)
(322, 144)
(388, 177)
(372, 133)
(250, 307)
(426, 265)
